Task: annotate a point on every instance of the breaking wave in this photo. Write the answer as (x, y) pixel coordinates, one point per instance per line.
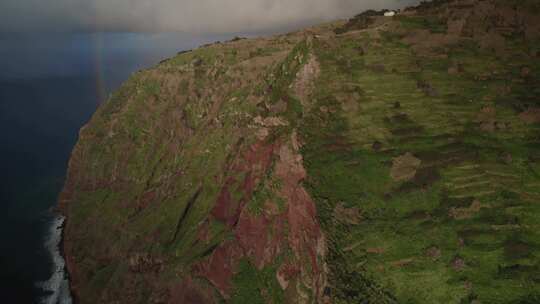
(57, 286)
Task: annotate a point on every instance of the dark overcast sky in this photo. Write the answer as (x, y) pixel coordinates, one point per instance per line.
(193, 16)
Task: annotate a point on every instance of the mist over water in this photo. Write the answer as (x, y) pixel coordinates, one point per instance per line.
(49, 87)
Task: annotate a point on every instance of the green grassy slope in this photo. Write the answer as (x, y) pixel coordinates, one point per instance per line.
(465, 227)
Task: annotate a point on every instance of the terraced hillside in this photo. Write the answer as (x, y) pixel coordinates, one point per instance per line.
(379, 160)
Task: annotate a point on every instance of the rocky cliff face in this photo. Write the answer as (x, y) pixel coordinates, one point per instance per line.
(379, 160)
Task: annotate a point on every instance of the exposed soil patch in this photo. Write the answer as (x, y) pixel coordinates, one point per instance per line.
(404, 167)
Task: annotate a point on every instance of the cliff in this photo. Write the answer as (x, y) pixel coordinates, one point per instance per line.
(377, 160)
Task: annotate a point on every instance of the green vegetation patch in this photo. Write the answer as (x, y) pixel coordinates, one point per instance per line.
(432, 23)
(256, 286)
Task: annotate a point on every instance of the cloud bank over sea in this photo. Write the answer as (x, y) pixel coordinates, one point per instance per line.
(194, 16)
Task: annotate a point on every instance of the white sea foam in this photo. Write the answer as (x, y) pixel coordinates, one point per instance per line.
(57, 286)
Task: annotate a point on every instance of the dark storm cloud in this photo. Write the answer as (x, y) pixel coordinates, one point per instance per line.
(176, 15)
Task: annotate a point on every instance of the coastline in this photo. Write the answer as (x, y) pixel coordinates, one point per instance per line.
(57, 287)
(73, 295)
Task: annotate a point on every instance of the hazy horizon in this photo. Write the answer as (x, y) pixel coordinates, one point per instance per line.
(190, 16)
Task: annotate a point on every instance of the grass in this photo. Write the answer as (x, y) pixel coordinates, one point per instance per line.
(256, 286)
(460, 162)
(433, 23)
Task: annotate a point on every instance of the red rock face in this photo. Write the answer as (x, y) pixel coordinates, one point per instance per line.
(219, 268)
(304, 229)
(286, 273)
(226, 209)
(188, 292)
(252, 164)
(251, 232)
(305, 237)
(263, 237)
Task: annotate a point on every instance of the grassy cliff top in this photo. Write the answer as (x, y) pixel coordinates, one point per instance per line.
(379, 160)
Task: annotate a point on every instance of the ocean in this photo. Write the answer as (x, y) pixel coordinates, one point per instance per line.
(50, 84)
